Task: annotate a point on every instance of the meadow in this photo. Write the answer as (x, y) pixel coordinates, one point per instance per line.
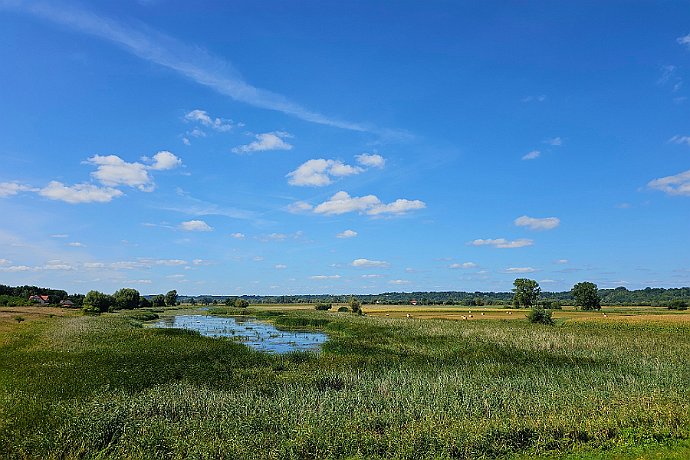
(385, 386)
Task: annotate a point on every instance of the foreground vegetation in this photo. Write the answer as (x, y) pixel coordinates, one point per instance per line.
(104, 386)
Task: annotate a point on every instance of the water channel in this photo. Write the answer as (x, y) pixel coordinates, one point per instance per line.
(255, 334)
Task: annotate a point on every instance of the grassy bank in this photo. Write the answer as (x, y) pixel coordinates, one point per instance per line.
(383, 387)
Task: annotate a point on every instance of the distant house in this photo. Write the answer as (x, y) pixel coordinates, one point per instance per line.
(413, 302)
(39, 299)
(66, 303)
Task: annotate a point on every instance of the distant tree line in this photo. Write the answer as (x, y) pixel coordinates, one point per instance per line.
(19, 295)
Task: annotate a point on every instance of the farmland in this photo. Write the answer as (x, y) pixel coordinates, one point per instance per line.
(431, 385)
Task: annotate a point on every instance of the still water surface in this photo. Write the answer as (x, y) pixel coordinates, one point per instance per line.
(256, 334)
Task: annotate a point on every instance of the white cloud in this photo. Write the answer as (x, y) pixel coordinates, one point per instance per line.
(534, 223)
(318, 172)
(79, 193)
(371, 160)
(164, 160)
(366, 263)
(464, 265)
(60, 235)
(685, 40)
(5, 261)
(202, 117)
(539, 98)
(399, 282)
(299, 207)
(673, 185)
(372, 276)
(264, 142)
(399, 206)
(12, 188)
(680, 140)
(195, 226)
(554, 141)
(533, 155)
(520, 270)
(113, 170)
(347, 234)
(325, 277)
(237, 235)
(342, 203)
(502, 243)
(16, 268)
(185, 141)
(280, 266)
(76, 244)
(562, 261)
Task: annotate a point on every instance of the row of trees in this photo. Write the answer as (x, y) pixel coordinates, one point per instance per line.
(527, 294)
(125, 299)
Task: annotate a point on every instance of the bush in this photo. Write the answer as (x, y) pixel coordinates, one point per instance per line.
(241, 303)
(343, 309)
(678, 305)
(539, 315)
(323, 306)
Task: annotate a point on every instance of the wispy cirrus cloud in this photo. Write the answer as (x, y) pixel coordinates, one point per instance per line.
(680, 140)
(533, 155)
(678, 184)
(191, 62)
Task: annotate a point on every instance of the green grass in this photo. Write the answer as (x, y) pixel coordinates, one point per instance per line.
(98, 387)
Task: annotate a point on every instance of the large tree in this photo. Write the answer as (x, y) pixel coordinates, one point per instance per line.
(586, 296)
(126, 299)
(97, 302)
(171, 298)
(526, 292)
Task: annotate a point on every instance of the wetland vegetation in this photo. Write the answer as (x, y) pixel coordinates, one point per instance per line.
(495, 386)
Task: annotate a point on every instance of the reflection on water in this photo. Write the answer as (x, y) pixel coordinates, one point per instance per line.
(256, 334)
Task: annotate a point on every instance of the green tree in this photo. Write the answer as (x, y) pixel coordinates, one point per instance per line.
(171, 298)
(97, 302)
(126, 299)
(144, 303)
(526, 292)
(158, 301)
(241, 303)
(355, 306)
(538, 315)
(586, 296)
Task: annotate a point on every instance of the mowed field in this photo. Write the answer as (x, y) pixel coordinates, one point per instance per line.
(609, 384)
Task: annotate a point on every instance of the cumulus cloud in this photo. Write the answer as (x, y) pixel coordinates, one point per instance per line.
(533, 155)
(201, 116)
(79, 193)
(347, 234)
(12, 188)
(463, 265)
(164, 160)
(685, 40)
(195, 226)
(318, 172)
(370, 160)
(366, 263)
(673, 185)
(520, 270)
(534, 223)
(112, 171)
(342, 203)
(266, 141)
(237, 235)
(502, 243)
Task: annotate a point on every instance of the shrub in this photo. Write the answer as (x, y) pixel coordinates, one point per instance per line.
(539, 315)
(241, 303)
(323, 306)
(343, 309)
(678, 305)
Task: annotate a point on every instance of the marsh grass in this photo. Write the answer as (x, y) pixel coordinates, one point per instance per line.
(382, 388)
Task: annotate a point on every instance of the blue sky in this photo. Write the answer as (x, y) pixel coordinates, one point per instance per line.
(344, 147)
